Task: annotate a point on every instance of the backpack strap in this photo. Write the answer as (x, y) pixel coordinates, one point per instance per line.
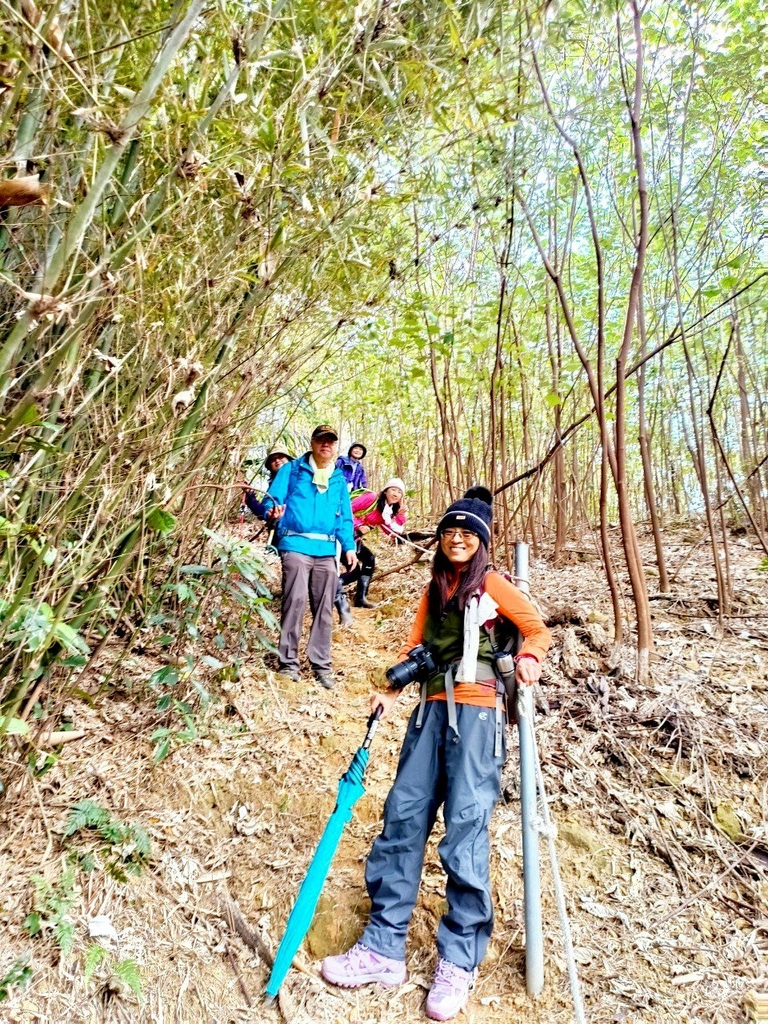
(369, 508)
(503, 698)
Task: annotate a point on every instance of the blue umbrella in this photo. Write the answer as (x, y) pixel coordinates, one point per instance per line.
(350, 790)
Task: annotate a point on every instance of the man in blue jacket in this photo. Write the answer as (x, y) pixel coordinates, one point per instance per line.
(310, 499)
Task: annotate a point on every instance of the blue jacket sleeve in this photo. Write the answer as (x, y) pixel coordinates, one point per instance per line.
(346, 531)
(256, 506)
(278, 490)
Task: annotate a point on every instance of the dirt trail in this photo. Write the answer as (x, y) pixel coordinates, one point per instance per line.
(659, 799)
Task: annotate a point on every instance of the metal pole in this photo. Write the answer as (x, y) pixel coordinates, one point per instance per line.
(534, 940)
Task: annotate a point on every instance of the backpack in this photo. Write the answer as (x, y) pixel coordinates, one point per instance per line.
(363, 511)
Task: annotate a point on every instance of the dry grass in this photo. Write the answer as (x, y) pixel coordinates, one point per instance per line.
(659, 798)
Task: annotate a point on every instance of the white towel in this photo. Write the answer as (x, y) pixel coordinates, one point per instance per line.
(390, 523)
(477, 611)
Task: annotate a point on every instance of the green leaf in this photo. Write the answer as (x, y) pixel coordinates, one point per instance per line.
(129, 973)
(167, 676)
(85, 814)
(86, 862)
(8, 528)
(30, 415)
(75, 661)
(553, 399)
(267, 616)
(65, 935)
(94, 955)
(70, 638)
(33, 924)
(16, 727)
(161, 521)
(161, 750)
(19, 975)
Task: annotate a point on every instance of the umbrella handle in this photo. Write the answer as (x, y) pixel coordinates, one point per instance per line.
(373, 725)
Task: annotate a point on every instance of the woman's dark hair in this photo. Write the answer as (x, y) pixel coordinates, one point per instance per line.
(470, 580)
(382, 501)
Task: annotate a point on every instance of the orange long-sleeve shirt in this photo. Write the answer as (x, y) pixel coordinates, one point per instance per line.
(513, 605)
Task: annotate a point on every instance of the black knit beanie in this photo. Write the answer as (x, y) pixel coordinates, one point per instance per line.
(469, 514)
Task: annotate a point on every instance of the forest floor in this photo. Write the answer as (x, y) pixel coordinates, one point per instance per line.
(659, 796)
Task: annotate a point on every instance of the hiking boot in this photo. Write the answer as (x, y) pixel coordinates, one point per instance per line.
(342, 607)
(290, 672)
(324, 676)
(450, 990)
(361, 593)
(361, 966)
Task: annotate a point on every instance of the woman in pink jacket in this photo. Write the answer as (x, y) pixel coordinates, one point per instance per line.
(385, 510)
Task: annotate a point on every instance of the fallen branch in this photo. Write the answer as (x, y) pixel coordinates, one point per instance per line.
(407, 565)
(233, 916)
(238, 975)
(55, 739)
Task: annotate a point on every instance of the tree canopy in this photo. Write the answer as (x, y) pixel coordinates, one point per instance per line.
(498, 243)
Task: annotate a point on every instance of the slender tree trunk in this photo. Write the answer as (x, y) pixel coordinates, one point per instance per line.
(645, 452)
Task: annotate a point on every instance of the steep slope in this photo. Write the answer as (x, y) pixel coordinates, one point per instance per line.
(658, 797)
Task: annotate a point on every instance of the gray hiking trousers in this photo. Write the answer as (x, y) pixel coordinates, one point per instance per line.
(305, 576)
(465, 777)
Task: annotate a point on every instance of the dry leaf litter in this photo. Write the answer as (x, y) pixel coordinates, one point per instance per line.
(658, 794)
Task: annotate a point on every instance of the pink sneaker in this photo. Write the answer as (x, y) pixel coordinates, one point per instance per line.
(360, 966)
(450, 990)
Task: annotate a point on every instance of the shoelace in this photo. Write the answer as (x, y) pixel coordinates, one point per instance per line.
(359, 954)
(451, 974)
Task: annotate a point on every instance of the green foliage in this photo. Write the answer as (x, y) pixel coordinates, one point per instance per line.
(129, 972)
(17, 727)
(51, 906)
(324, 219)
(122, 849)
(231, 591)
(126, 971)
(94, 955)
(161, 521)
(34, 626)
(166, 739)
(19, 975)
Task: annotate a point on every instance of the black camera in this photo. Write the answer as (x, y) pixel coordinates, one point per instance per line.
(418, 666)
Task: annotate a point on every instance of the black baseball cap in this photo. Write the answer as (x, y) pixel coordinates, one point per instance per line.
(324, 430)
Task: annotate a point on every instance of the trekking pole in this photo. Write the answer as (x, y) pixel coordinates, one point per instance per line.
(242, 515)
(534, 940)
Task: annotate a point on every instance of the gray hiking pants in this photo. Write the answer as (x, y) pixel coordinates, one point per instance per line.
(465, 777)
(306, 576)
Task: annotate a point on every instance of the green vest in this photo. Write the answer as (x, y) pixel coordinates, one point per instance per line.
(445, 640)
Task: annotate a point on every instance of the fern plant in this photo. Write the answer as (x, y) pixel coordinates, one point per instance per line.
(18, 975)
(124, 849)
(51, 906)
(126, 971)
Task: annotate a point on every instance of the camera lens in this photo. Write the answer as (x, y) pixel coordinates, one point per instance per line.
(401, 675)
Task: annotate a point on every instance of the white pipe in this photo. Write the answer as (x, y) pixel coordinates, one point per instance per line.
(534, 939)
